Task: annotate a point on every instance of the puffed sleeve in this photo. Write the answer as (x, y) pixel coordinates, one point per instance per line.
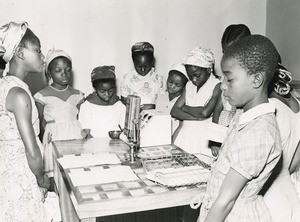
(84, 116)
(252, 151)
(39, 98)
(125, 86)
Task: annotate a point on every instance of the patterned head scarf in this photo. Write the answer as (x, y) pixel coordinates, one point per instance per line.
(142, 47)
(200, 57)
(54, 53)
(11, 35)
(103, 72)
(180, 68)
(282, 79)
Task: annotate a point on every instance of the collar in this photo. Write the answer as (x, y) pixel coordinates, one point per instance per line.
(256, 111)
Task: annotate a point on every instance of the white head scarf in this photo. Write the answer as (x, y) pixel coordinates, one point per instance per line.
(180, 68)
(54, 53)
(11, 35)
(200, 57)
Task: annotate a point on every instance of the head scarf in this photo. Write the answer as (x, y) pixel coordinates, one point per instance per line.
(200, 57)
(11, 35)
(142, 47)
(54, 53)
(180, 68)
(282, 80)
(103, 72)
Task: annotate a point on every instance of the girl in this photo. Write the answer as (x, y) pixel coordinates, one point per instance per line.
(281, 197)
(21, 169)
(197, 101)
(224, 112)
(58, 105)
(252, 148)
(102, 111)
(176, 82)
(143, 81)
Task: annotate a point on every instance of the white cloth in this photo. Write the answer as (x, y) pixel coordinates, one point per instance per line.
(164, 105)
(200, 57)
(101, 119)
(191, 137)
(281, 198)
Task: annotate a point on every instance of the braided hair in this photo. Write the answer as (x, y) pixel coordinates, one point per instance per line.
(233, 33)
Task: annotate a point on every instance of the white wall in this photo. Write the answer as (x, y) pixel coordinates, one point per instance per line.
(98, 32)
(284, 30)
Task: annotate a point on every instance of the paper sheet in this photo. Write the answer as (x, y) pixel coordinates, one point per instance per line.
(89, 159)
(216, 132)
(101, 176)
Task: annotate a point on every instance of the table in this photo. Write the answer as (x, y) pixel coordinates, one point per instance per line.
(85, 203)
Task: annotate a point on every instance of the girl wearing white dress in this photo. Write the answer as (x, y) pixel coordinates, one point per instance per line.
(281, 196)
(102, 111)
(58, 105)
(196, 104)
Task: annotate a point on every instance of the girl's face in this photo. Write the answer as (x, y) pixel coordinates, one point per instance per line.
(175, 83)
(105, 90)
(143, 64)
(34, 58)
(197, 75)
(237, 85)
(60, 70)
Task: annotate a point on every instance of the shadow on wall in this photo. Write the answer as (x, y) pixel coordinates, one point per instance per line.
(35, 81)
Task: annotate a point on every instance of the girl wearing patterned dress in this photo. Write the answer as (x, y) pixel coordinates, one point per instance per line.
(21, 163)
(58, 105)
(252, 147)
(143, 81)
(197, 102)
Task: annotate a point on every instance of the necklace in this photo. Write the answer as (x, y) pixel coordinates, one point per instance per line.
(59, 90)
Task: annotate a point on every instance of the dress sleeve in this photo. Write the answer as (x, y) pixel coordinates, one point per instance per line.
(125, 86)
(251, 152)
(39, 98)
(83, 117)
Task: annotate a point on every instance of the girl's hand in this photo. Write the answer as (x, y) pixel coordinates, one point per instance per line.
(44, 182)
(215, 150)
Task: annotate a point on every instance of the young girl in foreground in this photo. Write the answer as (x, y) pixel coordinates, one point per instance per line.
(102, 111)
(197, 102)
(58, 104)
(252, 147)
(176, 82)
(21, 169)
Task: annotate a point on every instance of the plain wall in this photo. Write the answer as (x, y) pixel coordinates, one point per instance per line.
(98, 32)
(283, 29)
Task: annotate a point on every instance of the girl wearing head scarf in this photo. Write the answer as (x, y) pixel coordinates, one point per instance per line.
(21, 163)
(58, 104)
(143, 81)
(196, 104)
(176, 82)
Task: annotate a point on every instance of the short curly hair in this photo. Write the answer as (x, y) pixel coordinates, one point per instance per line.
(256, 54)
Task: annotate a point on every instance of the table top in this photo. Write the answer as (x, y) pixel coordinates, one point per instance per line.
(123, 196)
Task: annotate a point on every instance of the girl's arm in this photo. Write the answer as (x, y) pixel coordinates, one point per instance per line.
(231, 188)
(218, 109)
(295, 164)
(18, 102)
(177, 111)
(207, 110)
(40, 108)
(176, 132)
